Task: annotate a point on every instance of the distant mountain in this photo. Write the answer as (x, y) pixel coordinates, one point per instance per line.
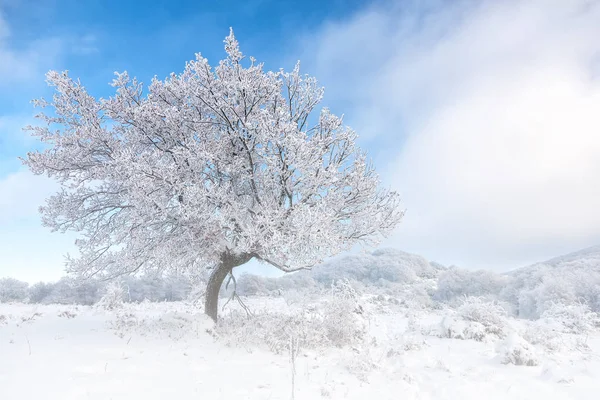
(587, 259)
(591, 255)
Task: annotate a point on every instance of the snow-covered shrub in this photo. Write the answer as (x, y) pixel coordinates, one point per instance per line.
(160, 320)
(453, 327)
(343, 316)
(344, 290)
(572, 318)
(475, 319)
(339, 320)
(394, 297)
(491, 316)
(381, 304)
(361, 364)
(544, 335)
(342, 322)
(417, 296)
(113, 297)
(272, 330)
(516, 350)
(533, 303)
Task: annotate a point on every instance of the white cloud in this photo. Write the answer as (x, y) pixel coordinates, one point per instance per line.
(494, 111)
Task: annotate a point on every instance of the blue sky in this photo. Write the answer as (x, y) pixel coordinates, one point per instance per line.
(483, 114)
(92, 39)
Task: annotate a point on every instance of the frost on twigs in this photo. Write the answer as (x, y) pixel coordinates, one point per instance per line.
(337, 321)
(160, 320)
(226, 160)
(563, 329)
(571, 318)
(113, 297)
(491, 316)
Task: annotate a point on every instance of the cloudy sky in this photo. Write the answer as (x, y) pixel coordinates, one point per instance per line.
(485, 115)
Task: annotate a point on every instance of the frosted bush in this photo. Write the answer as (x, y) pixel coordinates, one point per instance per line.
(544, 335)
(572, 318)
(381, 304)
(343, 321)
(156, 320)
(361, 364)
(416, 296)
(113, 297)
(269, 329)
(475, 319)
(452, 327)
(517, 351)
(337, 321)
(489, 315)
(343, 289)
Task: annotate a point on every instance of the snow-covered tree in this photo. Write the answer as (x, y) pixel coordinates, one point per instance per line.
(74, 291)
(455, 283)
(12, 290)
(206, 169)
(40, 291)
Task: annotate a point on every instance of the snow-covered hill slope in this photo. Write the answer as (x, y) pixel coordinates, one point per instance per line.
(588, 259)
(589, 256)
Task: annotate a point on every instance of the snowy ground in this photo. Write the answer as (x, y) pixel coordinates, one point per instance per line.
(169, 350)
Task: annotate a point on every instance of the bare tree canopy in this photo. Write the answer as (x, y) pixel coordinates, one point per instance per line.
(206, 169)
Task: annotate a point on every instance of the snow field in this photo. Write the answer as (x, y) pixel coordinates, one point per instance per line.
(171, 350)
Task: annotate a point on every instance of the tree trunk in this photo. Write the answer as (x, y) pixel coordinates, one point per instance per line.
(227, 263)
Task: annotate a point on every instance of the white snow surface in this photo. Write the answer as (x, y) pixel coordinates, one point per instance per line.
(172, 351)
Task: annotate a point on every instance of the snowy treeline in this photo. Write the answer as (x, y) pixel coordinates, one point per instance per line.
(409, 279)
(527, 292)
(172, 287)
